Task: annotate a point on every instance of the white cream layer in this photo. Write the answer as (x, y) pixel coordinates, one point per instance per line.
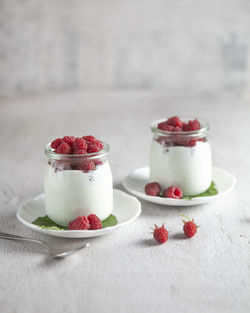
(189, 168)
(72, 193)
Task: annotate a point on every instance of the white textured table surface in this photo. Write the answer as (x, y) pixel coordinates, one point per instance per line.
(126, 271)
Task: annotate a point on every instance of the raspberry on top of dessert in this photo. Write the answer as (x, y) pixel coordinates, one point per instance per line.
(175, 125)
(76, 145)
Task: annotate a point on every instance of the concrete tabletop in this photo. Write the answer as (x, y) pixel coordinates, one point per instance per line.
(126, 271)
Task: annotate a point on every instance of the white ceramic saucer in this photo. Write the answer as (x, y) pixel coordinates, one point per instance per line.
(126, 209)
(138, 178)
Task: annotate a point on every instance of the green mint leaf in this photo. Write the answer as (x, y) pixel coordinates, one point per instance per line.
(46, 222)
(109, 221)
(211, 191)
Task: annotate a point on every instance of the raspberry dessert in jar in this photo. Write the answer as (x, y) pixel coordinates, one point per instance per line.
(78, 179)
(180, 155)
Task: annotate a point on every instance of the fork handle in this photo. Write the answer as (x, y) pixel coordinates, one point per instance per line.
(19, 238)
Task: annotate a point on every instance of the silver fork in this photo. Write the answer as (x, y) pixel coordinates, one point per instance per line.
(54, 252)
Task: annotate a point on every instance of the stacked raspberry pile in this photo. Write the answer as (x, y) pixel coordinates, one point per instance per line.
(70, 145)
(175, 125)
(76, 145)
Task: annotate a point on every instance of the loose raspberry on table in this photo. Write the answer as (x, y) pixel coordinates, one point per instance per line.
(189, 228)
(69, 140)
(56, 143)
(160, 234)
(94, 221)
(86, 166)
(63, 148)
(173, 192)
(80, 223)
(79, 145)
(153, 189)
(174, 121)
(94, 147)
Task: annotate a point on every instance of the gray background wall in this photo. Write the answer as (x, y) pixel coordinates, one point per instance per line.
(192, 45)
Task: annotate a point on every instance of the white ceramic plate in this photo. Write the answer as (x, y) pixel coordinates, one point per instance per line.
(126, 209)
(137, 179)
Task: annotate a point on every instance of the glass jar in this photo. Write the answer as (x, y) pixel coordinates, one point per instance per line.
(77, 185)
(181, 159)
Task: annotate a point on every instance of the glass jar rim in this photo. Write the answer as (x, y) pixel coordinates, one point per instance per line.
(95, 155)
(194, 133)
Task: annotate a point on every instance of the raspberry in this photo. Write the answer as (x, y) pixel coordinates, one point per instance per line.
(153, 189)
(80, 152)
(177, 129)
(191, 126)
(187, 128)
(90, 139)
(192, 143)
(64, 148)
(160, 234)
(94, 221)
(174, 121)
(86, 166)
(98, 162)
(189, 228)
(164, 126)
(94, 147)
(195, 124)
(80, 223)
(172, 192)
(69, 140)
(56, 143)
(79, 146)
